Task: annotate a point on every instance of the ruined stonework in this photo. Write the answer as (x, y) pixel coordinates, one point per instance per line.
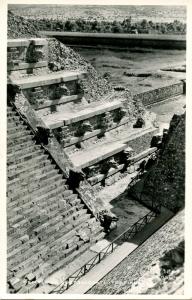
(71, 136)
(167, 178)
(160, 94)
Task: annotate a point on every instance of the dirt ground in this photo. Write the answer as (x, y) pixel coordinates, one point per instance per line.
(165, 110)
(120, 63)
(122, 206)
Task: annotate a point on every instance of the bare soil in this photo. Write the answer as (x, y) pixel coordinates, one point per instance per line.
(119, 63)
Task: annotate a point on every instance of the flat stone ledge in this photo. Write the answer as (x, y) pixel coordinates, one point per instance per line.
(26, 42)
(61, 118)
(142, 155)
(26, 83)
(100, 152)
(22, 66)
(139, 133)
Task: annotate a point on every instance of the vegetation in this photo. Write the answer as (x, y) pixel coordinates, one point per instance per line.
(125, 26)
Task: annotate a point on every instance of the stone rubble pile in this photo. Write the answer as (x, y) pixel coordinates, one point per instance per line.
(95, 86)
(20, 27)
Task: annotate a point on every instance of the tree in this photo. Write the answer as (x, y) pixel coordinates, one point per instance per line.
(126, 24)
(70, 25)
(116, 27)
(144, 24)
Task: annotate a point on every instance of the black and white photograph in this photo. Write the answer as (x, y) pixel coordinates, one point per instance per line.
(96, 149)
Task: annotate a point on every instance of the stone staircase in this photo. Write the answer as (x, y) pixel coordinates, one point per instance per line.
(48, 225)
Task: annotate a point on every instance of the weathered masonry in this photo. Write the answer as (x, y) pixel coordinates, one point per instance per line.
(62, 148)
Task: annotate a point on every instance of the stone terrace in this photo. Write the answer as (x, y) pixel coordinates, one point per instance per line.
(92, 134)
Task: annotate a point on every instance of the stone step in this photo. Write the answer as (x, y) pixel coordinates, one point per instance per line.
(9, 107)
(51, 263)
(15, 129)
(15, 219)
(54, 221)
(18, 152)
(11, 245)
(70, 228)
(12, 123)
(22, 157)
(49, 208)
(26, 194)
(52, 78)
(47, 203)
(20, 146)
(42, 197)
(22, 152)
(19, 226)
(33, 162)
(22, 181)
(11, 113)
(59, 119)
(78, 207)
(94, 155)
(93, 238)
(18, 140)
(17, 175)
(17, 134)
(66, 260)
(61, 234)
(73, 199)
(67, 213)
(13, 118)
(34, 186)
(99, 237)
(67, 237)
(22, 196)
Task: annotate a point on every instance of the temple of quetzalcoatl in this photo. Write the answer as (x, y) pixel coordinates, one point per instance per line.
(63, 145)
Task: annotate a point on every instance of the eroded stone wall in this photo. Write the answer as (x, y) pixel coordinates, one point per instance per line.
(160, 94)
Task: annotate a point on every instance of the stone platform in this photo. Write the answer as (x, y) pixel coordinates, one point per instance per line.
(108, 146)
(99, 152)
(61, 118)
(53, 78)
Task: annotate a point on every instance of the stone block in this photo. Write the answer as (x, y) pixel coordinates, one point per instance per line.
(16, 283)
(30, 277)
(24, 238)
(46, 80)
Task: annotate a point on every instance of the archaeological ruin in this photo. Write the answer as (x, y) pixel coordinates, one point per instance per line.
(88, 168)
